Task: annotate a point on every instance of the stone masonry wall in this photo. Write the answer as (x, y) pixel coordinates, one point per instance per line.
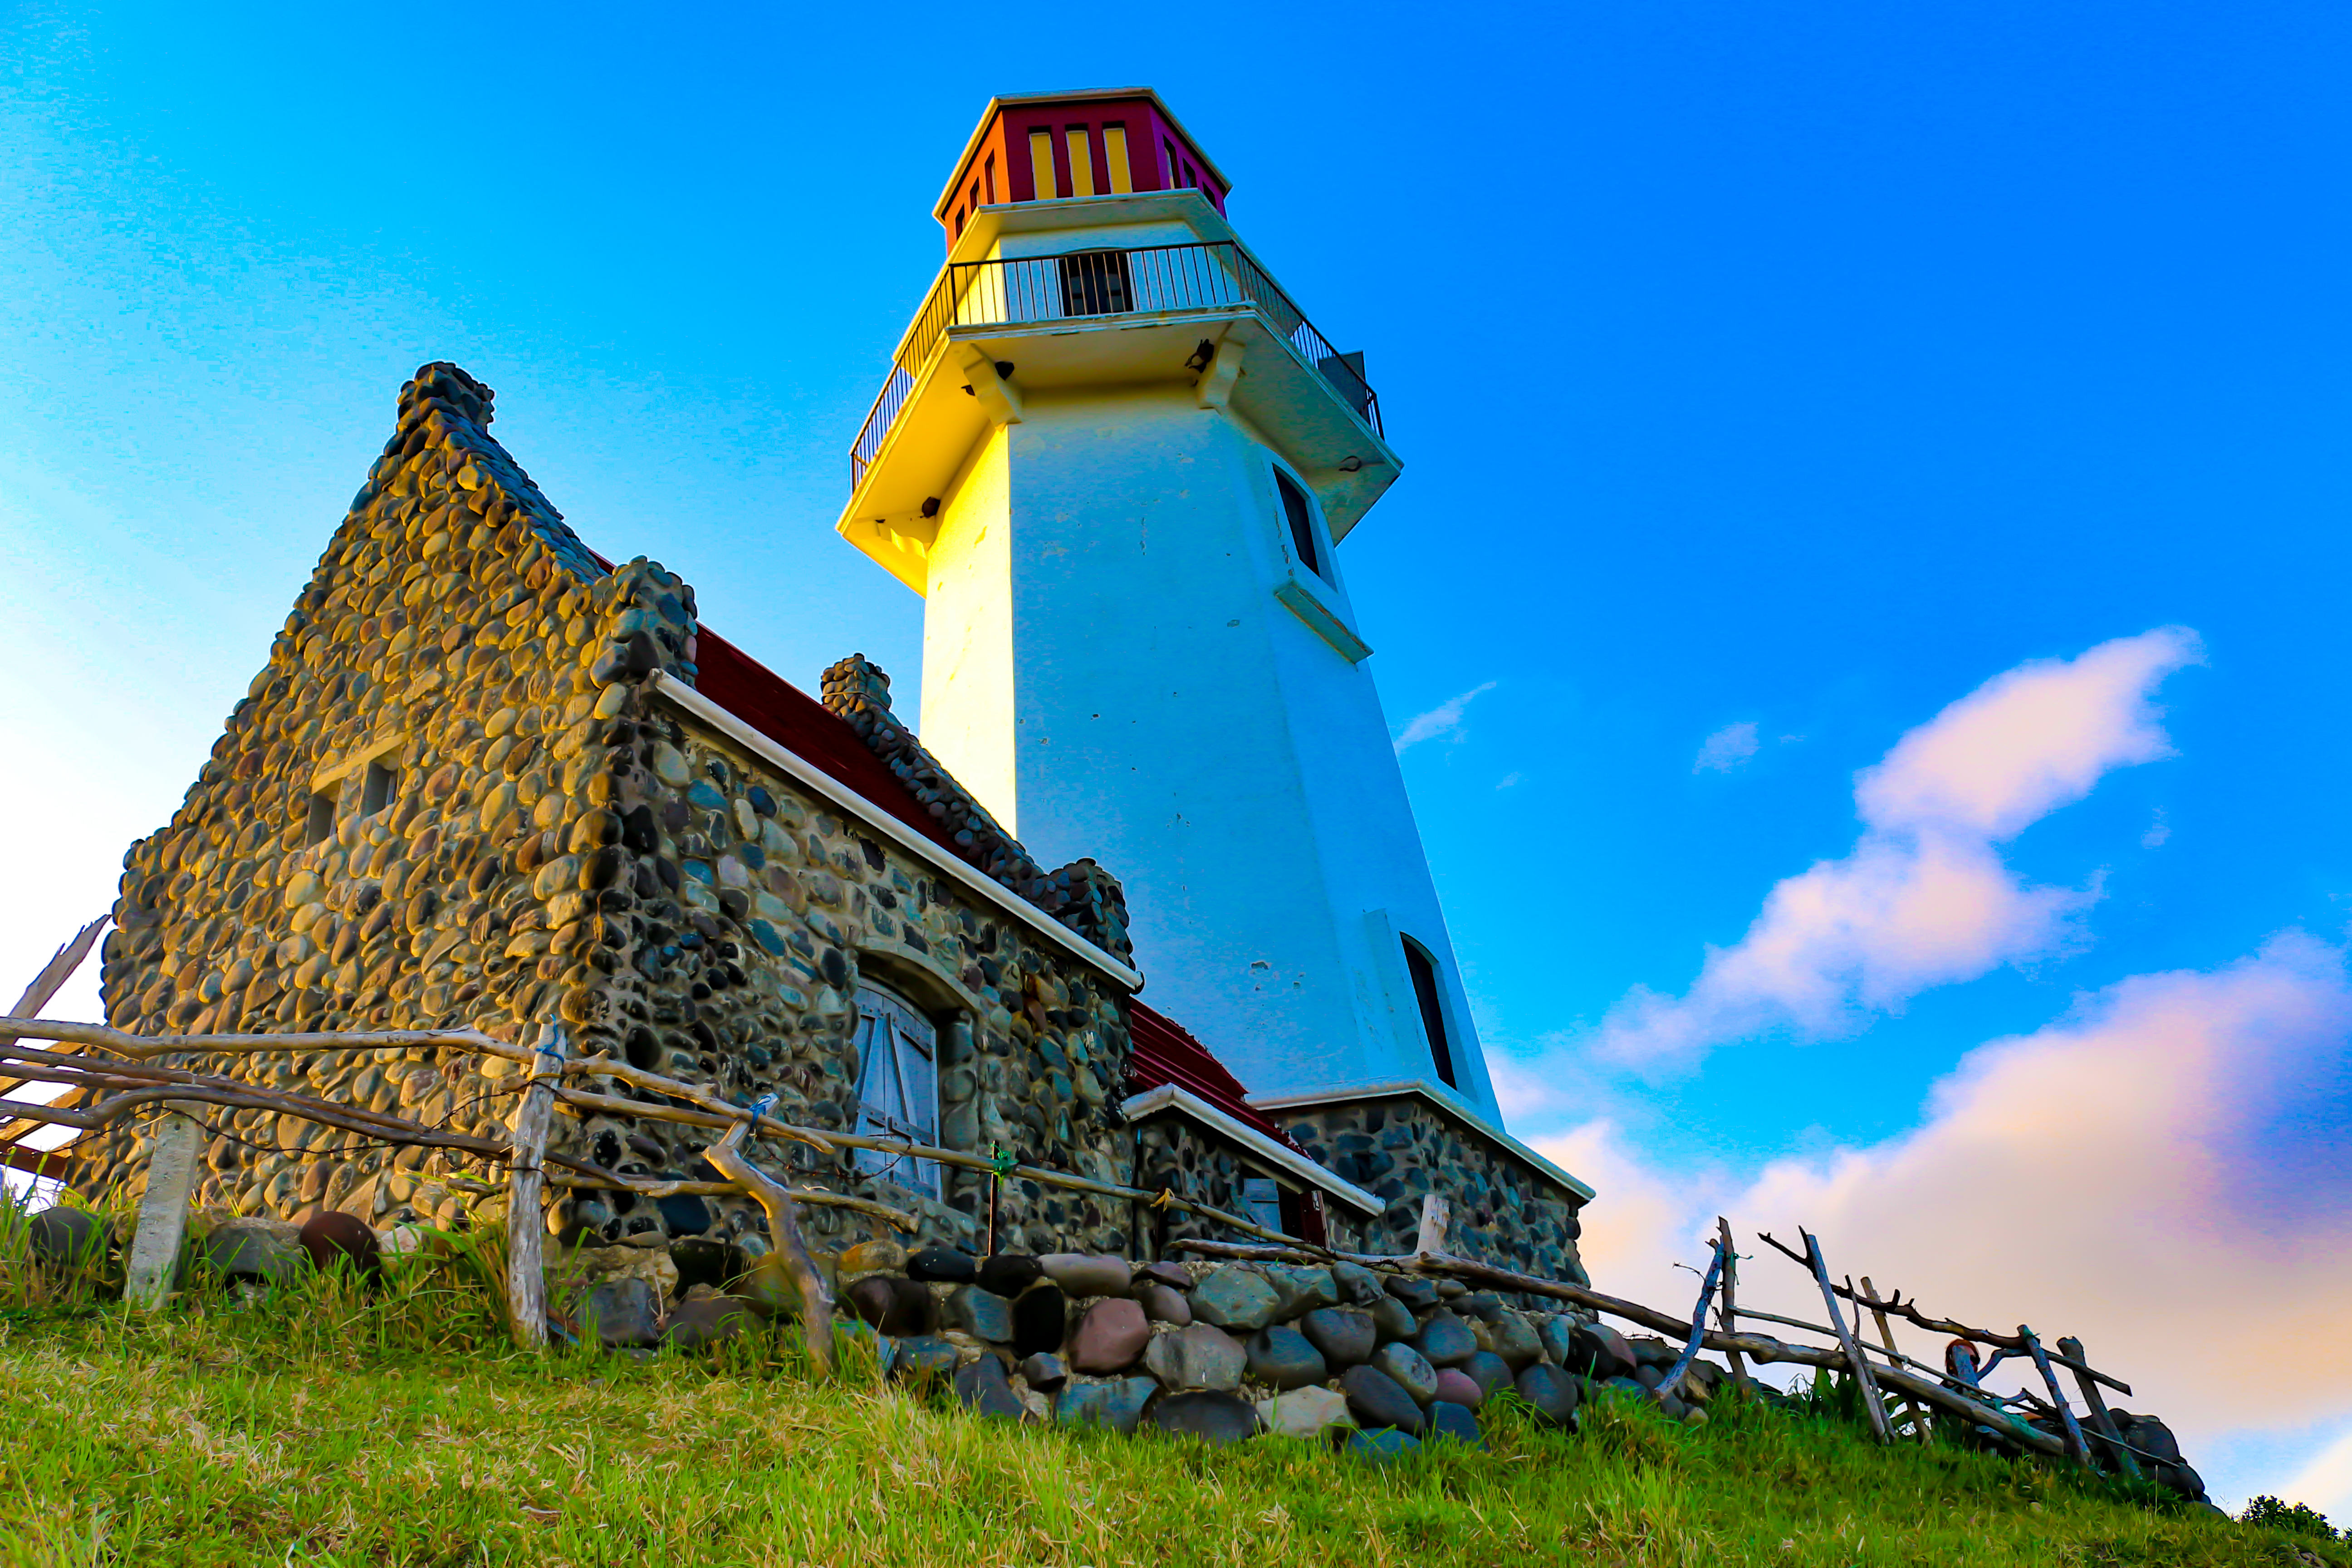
(759, 908)
(447, 633)
(1176, 1153)
(1505, 1211)
(558, 845)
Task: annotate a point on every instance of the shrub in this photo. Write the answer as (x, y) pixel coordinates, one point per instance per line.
(2295, 1517)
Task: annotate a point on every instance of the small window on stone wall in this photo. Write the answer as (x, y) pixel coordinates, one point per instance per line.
(898, 1085)
(318, 826)
(1262, 1201)
(381, 787)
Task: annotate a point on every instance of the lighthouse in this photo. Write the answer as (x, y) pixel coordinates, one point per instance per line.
(1118, 462)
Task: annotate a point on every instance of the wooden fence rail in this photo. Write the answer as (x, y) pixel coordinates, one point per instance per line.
(116, 1073)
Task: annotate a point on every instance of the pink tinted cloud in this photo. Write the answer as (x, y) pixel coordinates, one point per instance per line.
(1924, 899)
(2102, 1177)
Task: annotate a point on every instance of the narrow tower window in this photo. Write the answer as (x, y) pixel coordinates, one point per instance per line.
(898, 1085)
(1115, 154)
(1082, 163)
(1041, 165)
(1301, 516)
(988, 178)
(1433, 1010)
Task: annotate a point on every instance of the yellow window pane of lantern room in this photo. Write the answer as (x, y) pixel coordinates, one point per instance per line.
(1115, 154)
(1041, 165)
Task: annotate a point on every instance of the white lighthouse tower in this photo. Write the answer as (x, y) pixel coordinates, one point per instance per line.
(1117, 462)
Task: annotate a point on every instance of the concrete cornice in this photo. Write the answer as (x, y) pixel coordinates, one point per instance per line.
(1172, 1096)
(1187, 207)
(1397, 1088)
(703, 710)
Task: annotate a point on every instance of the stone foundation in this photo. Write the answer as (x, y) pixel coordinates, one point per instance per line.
(1505, 1211)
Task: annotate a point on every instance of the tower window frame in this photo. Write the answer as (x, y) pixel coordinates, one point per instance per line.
(1429, 991)
(1301, 515)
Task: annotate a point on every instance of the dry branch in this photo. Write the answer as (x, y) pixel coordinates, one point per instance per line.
(141, 1046)
(1909, 1312)
(1727, 1310)
(2074, 1443)
(1856, 1360)
(1886, 1337)
(784, 1229)
(735, 1116)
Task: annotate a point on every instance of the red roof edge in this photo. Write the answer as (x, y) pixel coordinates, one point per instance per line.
(1164, 1051)
(806, 728)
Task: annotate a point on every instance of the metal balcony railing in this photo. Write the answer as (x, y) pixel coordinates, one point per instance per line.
(1094, 283)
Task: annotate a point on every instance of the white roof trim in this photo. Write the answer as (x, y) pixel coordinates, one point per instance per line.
(703, 710)
(1429, 1092)
(1174, 1096)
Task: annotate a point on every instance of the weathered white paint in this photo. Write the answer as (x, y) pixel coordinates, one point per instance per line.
(171, 1160)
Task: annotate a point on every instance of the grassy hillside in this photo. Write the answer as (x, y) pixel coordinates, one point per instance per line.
(331, 1424)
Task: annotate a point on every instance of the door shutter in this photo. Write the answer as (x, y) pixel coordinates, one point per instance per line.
(898, 1094)
(918, 1077)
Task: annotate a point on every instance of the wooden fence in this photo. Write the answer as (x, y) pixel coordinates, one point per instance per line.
(115, 1074)
(1882, 1374)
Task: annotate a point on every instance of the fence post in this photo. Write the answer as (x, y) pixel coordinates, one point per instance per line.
(1854, 1356)
(2074, 1443)
(1727, 1305)
(1886, 1337)
(163, 1207)
(1436, 1214)
(2100, 1419)
(1674, 1377)
(526, 1232)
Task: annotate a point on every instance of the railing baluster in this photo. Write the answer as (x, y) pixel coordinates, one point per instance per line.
(1039, 289)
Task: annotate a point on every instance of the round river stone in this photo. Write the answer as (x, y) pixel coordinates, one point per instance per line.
(1284, 1358)
(1375, 1399)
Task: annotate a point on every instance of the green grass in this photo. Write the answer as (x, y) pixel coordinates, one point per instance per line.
(332, 1425)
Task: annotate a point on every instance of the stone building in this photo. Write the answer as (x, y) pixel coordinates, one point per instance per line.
(486, 778)
(490, 778)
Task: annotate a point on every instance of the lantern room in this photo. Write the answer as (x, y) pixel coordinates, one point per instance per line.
(1053, 146)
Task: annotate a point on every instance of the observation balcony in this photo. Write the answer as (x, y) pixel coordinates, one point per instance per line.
(1099, 318)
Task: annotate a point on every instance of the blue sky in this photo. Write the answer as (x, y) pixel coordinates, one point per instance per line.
(1800, 367)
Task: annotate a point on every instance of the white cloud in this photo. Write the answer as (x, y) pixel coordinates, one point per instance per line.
(1439, 721)
(1726, 749)
(2159, 1173)
(2325, 1481)
(1924, 898)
